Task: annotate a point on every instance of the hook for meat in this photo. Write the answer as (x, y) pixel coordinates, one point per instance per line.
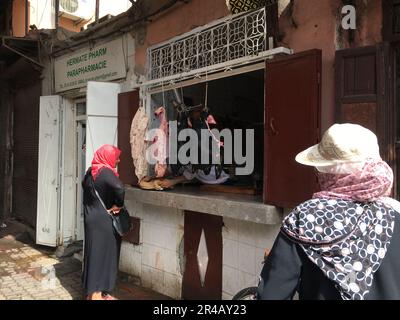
(206, 95)
(163, 94)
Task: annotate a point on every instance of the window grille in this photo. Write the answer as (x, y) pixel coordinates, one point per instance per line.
(236, 37)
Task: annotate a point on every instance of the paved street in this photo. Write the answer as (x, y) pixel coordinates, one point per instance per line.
(30, 272)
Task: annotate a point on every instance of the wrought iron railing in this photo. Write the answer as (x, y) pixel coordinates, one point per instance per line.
(234, 37)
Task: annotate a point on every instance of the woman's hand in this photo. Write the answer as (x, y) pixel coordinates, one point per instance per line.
(114, 209)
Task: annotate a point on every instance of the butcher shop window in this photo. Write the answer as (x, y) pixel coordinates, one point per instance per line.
(231, 103)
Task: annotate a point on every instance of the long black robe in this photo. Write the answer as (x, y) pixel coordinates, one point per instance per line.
(288, 269)
(102, 243)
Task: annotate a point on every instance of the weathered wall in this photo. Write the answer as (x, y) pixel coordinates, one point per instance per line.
(18, 20)
(309, 24)
(369, 24)
(70, 24)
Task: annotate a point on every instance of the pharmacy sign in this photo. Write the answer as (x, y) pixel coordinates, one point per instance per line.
(104, 62)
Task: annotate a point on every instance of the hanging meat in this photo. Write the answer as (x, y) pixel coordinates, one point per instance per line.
(161, 138)
(138, 142)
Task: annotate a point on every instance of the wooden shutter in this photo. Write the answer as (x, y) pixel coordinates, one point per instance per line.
(391, 20)
(292, 123)
(128, 104)
(356, 86)
(364, 93)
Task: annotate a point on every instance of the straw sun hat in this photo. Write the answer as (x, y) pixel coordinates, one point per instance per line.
(341, 143)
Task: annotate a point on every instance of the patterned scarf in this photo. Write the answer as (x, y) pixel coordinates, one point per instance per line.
(346, 229)
(374, 180)
(346, 240)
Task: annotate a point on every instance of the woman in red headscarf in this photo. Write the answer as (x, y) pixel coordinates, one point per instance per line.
(102, 243)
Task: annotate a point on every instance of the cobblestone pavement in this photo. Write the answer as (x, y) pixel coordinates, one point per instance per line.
(31, 272)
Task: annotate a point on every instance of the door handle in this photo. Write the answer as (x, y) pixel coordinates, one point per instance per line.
(272, 126)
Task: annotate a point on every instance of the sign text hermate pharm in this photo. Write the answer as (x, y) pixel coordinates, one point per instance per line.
(104, 62)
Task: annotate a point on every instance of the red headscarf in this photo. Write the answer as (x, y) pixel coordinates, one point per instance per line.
(105, 157)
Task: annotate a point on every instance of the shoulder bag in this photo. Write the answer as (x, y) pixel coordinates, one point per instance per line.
(122, 221)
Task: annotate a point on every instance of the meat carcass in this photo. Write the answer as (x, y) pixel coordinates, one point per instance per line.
(161, 138)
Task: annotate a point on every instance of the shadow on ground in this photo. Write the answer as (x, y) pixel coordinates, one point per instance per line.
(41, 273)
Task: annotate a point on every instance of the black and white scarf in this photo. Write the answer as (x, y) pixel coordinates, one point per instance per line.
(347, 240)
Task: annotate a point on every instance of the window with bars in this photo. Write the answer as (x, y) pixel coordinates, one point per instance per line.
(236, 37)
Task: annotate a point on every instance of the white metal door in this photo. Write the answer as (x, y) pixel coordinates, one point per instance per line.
(102, 116)
(48, 173)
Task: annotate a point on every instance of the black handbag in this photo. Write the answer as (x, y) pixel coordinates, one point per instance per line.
(121, 221)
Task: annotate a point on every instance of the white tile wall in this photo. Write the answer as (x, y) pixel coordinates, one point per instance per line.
(244, 244)
(247, 255)
(259, 258)
(160, 258)
(247, 232)
(247, 280)
(173, 285)
(130, 260)
(230, 252)
(171, 262)
(150, 254)
(226, 296)
(170, 217)
(156, 259)
(230, 229)
(146, 276)
(135, 208)
(157, 280)
(230, 280)
(265, 235)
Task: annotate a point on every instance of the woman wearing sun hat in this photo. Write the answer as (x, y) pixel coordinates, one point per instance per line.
(344, 242)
